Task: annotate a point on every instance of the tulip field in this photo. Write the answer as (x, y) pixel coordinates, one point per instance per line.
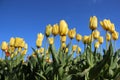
(93, 62)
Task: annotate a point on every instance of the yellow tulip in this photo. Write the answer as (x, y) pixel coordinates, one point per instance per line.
(115, 35)
(19, 42)
(63, 29)
(48, 30)
(112, 28)
(96, 34)
(105, 24)
(63, 45)
(39, 40)
(108, 36)
(93, 23)
(23, 52)
(63, 39)
(74, 47)
(12, 41)
(90, 38)
(11, 49)
(41, 50)
(4, 46)
(72, 33)
(55, 30)
(85, 39)
(100, 39)
(78, 50)
(78, 37)
(51, 40)
(66, 50)
(12, 55)
(97, 44)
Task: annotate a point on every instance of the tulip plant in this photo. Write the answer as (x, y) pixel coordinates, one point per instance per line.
(60, 63)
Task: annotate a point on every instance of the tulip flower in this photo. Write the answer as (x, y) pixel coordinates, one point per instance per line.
(12, 41)
(100, 39)
(19, 42)
(41, 50)
(115, 35)
(96, 34)
(105, 24)
(63, 29)
(4, 46)
(11, 49)
(39, 40)
(55, 30)
(51, 40)
(63, 39)
(48, 30)
(85, 39)
(112, 28)
(66, 50)
(97, 44)
(72, 33)
(78, 37)
(93, 23)
(78, 50)
(108, 36)
(63, 45)
(74, 47)
(26, 46)
(23, 52)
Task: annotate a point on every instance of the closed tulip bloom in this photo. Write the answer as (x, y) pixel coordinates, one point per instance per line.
(48, 30)
(19, 42)
(4, 46)
(85, 39)
(93, 23)
(105, 24)
(11, 49)
(97, 44)
(100, 39)
(115, 35)
(63, 39)
(72, 33)
(90, 39)
(12, 55)
(12, 41)
(96, 34)
(63, 29)
(63, 45)
(74, 47)
(41, 50)
(66, 50)
(108, 36)
(55, 30)
(78, 50)
(78, 37)
(39, 40)
(23, 52)
(112, 28)
(51, 40)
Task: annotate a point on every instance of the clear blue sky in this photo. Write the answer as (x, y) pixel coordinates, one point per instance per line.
(26, 18)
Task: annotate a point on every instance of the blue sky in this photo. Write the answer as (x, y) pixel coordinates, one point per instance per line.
(26, 18)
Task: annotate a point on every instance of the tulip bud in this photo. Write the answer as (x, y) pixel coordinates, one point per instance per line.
(115, 35)
(41, 50)
(63, 39)
(93, 23)
(112, 28)
(78, 50)
(105, 24)
(48, 30)
(85, 39)
(23, 52)
(63, 45)
(63, 29)
(39, 40)
(11, 49)
(74, 47)
(51, 40)
(4, 46)
(40, 36)
(55, 30)
(78, 37)
(96, 34)
(19, 42)
(100, 39)
(12, 41)
(97, 44)
(72, 33)
(108, 36)
(26, 46)
(66, 50)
